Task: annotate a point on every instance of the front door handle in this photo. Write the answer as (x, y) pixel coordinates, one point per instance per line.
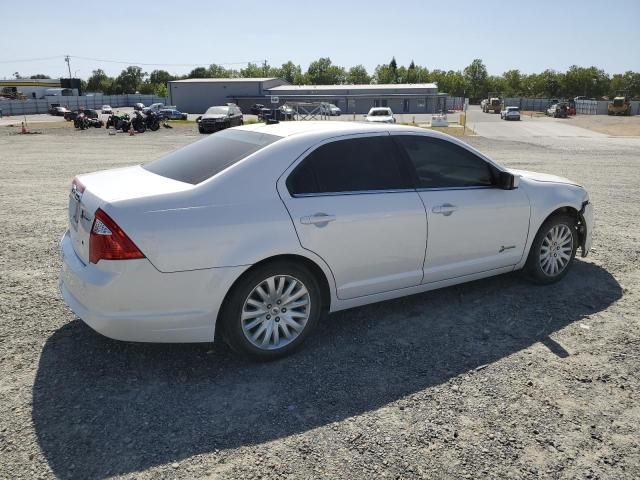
(319, 219)
(445, 209)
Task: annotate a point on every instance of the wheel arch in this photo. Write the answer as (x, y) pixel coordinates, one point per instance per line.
(563, 210)
(316, 270)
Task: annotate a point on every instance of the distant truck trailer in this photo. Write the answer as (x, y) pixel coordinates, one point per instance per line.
(493, 103)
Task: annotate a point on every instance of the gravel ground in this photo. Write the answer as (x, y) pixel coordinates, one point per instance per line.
(492, 379)
(611, 125)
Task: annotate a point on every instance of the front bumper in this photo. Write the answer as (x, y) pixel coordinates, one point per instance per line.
(586, 219)
(131, 300)
(211, 127)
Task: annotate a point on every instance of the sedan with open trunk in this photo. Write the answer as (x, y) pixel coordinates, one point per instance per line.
(254, 232)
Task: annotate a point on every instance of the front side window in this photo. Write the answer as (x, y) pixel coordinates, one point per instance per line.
(356, 164)
(443, 164)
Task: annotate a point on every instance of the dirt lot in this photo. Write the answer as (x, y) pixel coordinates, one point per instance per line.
(492, 379)
(616, 126)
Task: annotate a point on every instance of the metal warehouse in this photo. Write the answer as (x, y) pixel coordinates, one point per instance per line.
(196, 95)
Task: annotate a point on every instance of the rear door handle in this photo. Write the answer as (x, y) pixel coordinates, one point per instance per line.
(445, 209)
(317, 219)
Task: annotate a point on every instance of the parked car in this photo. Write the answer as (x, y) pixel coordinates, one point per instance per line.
(172, 114)
(257, 108)
(107, 109)
(253, 232)
(380, 115)
(286, 112)
(154, 107)
(58, 111)
(557, 110)
(219, 118)
(138, 106)
(71, 114)
(330, 109)
(510, 113)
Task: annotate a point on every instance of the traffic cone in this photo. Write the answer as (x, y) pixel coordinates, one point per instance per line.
(131, 131)
(24, 129)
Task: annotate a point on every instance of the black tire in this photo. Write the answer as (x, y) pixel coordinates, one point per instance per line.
(533, 267)
(230, 314)
(141, 128)
(154, 126)
(201, 130)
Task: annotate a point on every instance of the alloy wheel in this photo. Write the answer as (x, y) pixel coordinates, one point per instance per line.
(556, 250)
(276, 312)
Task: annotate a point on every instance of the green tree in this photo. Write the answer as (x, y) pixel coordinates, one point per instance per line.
(254, 70)
(129, 80)
(198, 72)
(288, 71)
(40, 76)
(512, 83)
(218, 71)
(383, 74)
(476, 78)
(99, 82)
(160, 77)
(323, 72)
(357, 75)
(393, 68)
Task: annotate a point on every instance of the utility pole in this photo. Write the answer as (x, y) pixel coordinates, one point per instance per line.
(264, 68)
(67, 59)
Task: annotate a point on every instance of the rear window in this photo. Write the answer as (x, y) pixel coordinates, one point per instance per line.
(202, 160)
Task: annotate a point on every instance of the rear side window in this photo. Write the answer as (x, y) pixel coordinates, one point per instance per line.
(202, 160)
(443, 164)
(352, 165)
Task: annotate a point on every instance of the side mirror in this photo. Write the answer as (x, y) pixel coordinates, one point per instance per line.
(198, 119)
(508, 181)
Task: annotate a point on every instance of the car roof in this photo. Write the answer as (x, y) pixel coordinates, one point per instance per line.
(332, 128)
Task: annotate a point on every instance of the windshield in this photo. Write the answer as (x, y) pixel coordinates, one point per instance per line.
(217, 111)
(202, 160)
(380, 113)
(513, 109)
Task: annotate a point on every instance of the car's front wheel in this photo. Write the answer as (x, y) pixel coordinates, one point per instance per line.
(553, 249)
(271, 310)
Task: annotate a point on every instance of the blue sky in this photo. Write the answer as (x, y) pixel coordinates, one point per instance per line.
(528, 35)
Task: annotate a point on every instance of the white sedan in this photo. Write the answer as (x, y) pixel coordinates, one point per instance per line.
(107, 109)
(254, 231)
(380, 115)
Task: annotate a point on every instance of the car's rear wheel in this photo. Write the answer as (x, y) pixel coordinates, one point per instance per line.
(553, 250)
(271, 310)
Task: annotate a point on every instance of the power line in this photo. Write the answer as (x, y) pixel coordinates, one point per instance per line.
(57, 57)
(124, 62)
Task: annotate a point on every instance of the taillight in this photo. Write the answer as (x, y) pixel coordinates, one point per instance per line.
(109, 242)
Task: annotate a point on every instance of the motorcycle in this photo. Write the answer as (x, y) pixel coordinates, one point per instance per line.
(81, 121)
(119, 122)
(138, 122)
(152, 120)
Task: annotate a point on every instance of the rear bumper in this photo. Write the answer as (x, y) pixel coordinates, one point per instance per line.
(131, 300)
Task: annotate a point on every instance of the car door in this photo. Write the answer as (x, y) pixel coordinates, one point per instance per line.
(351, 202)
(473, 224)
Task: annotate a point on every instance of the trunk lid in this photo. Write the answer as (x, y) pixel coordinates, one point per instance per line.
(96, 190)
